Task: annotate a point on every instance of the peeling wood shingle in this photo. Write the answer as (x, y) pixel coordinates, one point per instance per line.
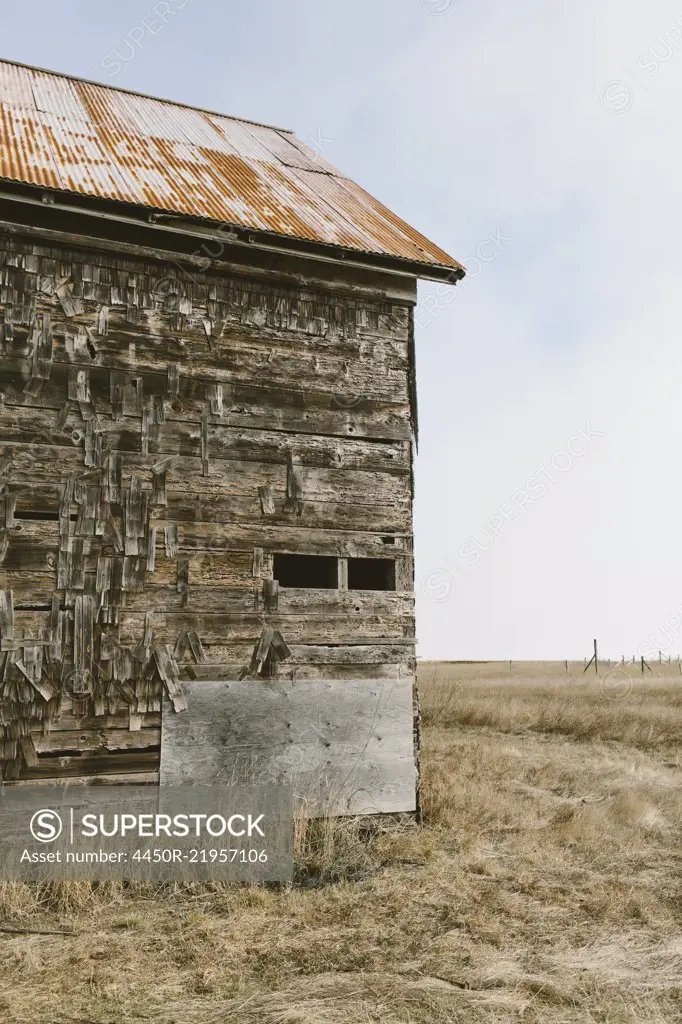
(106, 506)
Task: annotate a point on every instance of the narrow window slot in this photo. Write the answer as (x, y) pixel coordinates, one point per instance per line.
(42, 516)
(312, 572)
(371, 574)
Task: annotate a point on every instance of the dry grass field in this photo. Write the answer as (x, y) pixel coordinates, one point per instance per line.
(544, 885)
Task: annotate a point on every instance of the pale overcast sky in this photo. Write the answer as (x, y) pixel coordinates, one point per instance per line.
(539, 143)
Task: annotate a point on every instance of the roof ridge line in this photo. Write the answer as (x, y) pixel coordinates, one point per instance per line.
(143, 95)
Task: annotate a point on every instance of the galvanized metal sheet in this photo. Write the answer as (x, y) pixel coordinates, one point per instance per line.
(25, 154)
(292, 153)
(55, 95)
(15, 87)
(390, 233)
(107, 143)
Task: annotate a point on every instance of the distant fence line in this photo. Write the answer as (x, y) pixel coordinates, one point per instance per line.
(642, 663)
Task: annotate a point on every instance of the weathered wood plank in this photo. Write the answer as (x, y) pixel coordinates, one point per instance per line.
(260, 292)
(168, 670)
(150, 778)
(42, 536)
(6, 614)
(37, 591)
(388, 333)
(287, 670)
(347, 747)
(211, 508)
(226, 443)
(244, 404)
(28, 750)
(96, 764)
(215, 628)
(83, 644)
(289, 602)
(67, 721)
(218, 537)
(299, 272)
(36, 462)
(283, 315)
(341, 374)
(95, 741)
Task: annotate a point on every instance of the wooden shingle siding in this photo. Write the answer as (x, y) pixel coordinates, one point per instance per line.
(162, 436)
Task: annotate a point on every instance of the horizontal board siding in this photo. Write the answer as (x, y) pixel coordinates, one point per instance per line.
(225, 627)
(35, 460)
(42, 538)
(96, 741)
(156, 597)
(67, 721)
(244, 404)
(144, 778)
(224, 443)
(276, 419)
(183, 506)
(96, 764)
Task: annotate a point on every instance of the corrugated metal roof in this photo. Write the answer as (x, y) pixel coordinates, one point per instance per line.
(81, 137)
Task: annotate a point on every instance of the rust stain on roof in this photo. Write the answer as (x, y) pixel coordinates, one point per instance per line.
(80, 137)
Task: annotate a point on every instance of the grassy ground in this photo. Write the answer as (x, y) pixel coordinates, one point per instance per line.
(545, 885)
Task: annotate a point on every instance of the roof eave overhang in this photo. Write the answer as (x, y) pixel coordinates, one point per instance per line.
(228, 237)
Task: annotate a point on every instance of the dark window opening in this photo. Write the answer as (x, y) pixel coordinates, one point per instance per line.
(371, 574)
(47, 517)
(318, 572)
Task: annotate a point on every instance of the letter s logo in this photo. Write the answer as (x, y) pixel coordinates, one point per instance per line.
(46, 826)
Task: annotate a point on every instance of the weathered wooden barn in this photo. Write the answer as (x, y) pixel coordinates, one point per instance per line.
(207, 422)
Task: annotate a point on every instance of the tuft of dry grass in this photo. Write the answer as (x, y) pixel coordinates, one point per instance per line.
(543, 885)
